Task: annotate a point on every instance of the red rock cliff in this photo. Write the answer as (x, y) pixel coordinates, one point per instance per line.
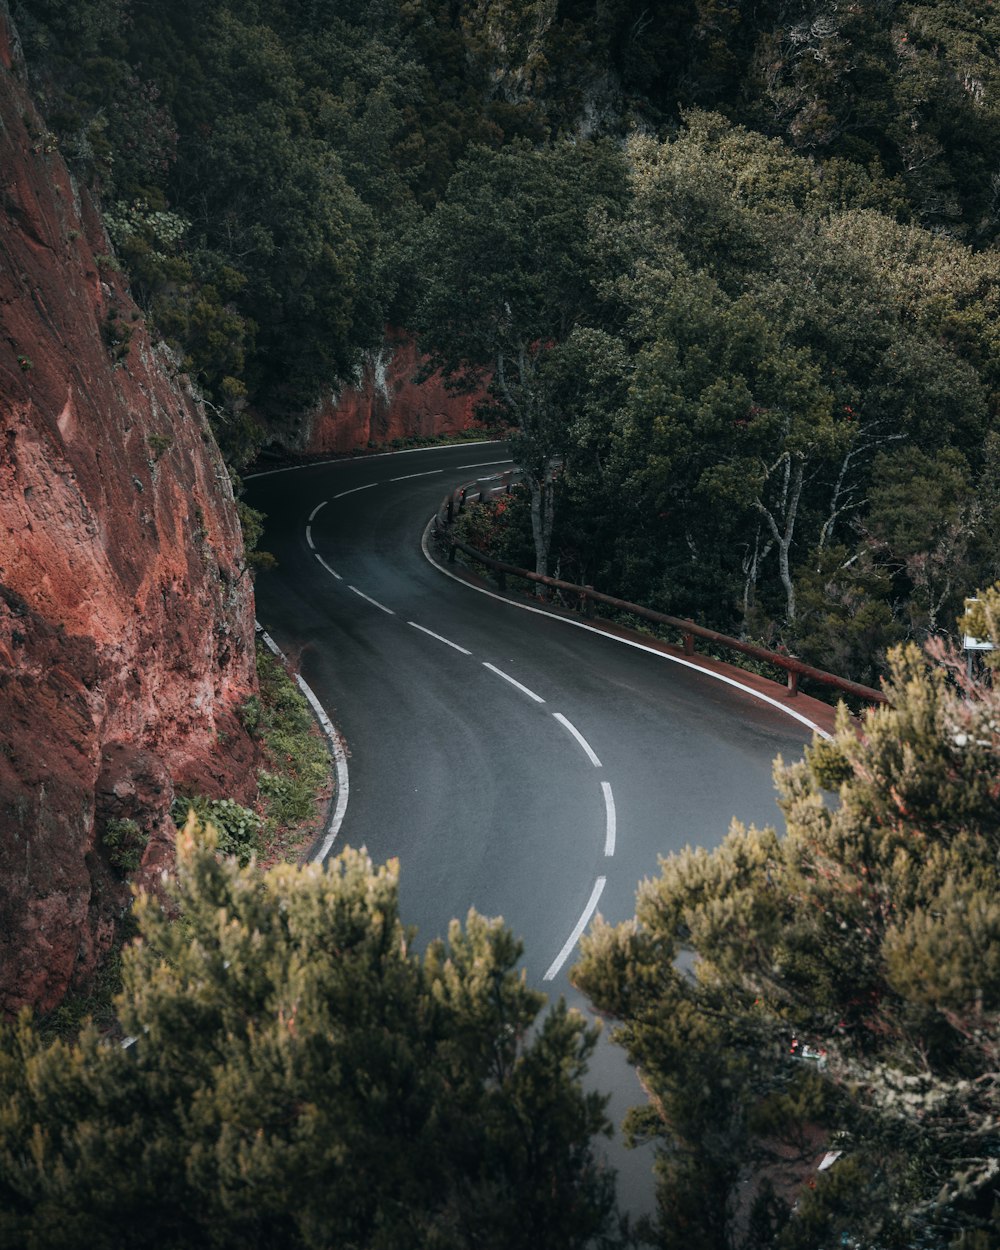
(386, 403)
(126, 620)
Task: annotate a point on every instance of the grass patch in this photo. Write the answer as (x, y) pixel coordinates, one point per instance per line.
(297, 761)
(124, 842)
(294, 776)
(238, 828)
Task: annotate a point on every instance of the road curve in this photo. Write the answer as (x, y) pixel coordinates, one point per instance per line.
(510, 761)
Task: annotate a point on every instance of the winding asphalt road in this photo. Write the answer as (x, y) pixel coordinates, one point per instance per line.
(512, 762)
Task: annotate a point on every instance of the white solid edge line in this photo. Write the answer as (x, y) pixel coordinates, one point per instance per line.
(581, 924)
(312, 515)
(309, 537)
(354, 490)
(513, 681)
(332, 572)
(447, 641)
(269, 641)
(378, 455)
(591, 753)
(340, 759)
(373, 602)
(336, 746)
(612, 824)
(427, 473)
(627, 642)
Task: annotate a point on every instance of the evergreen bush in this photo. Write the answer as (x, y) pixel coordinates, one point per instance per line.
(237, 828)
(124, 841)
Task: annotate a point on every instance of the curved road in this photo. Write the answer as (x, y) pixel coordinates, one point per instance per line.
(512, 762)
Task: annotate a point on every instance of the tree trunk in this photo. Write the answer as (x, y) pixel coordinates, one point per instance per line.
(543, 510)
(786, 579)
(751, 569)
(783, 537)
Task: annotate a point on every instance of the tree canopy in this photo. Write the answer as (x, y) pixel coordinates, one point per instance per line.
(357, 114)
(299, 1076)
(844, 992)
(505, 278)
(779, 407)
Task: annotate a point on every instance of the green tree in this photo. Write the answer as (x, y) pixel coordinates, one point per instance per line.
(844, 991)
(919, 525)
(264, 190)
(771, 353)
(505, 278)
(301, 1077)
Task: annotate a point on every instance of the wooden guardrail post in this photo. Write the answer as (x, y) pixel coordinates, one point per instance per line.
(586, 603)
(451, 508)
(793, 682)
(452, 549)
(689, 644)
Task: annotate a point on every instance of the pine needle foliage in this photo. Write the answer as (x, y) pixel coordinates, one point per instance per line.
(301, 1078)
(844, 993)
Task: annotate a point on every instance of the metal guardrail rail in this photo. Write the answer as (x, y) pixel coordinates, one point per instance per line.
(588, 596)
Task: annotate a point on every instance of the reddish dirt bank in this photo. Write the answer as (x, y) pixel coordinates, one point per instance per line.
(126, 620)
(386, 404)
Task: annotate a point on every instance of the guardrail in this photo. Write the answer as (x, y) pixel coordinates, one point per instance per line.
(587, 596)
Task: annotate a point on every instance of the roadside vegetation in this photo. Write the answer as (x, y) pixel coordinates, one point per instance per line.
(729, 272)
(840, 991)
(295, 776)
(295, 785)
(301, 1078)
(296, 779)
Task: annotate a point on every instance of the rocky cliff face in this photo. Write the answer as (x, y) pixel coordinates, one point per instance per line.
(386, 404)
(126, 617)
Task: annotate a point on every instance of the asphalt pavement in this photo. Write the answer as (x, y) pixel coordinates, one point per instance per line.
(511, 761)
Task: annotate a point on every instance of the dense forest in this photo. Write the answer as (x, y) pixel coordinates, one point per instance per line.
(728, 271)
(750, 308)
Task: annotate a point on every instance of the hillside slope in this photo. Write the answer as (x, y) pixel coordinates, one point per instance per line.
(126, 619)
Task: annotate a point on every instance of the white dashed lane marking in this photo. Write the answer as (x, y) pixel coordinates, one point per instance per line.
(611, 825)
(374, 602)
(523, 689)
(431, 634)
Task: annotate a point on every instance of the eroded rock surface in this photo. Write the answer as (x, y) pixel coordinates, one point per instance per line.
(386, 403)
(126, 616)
